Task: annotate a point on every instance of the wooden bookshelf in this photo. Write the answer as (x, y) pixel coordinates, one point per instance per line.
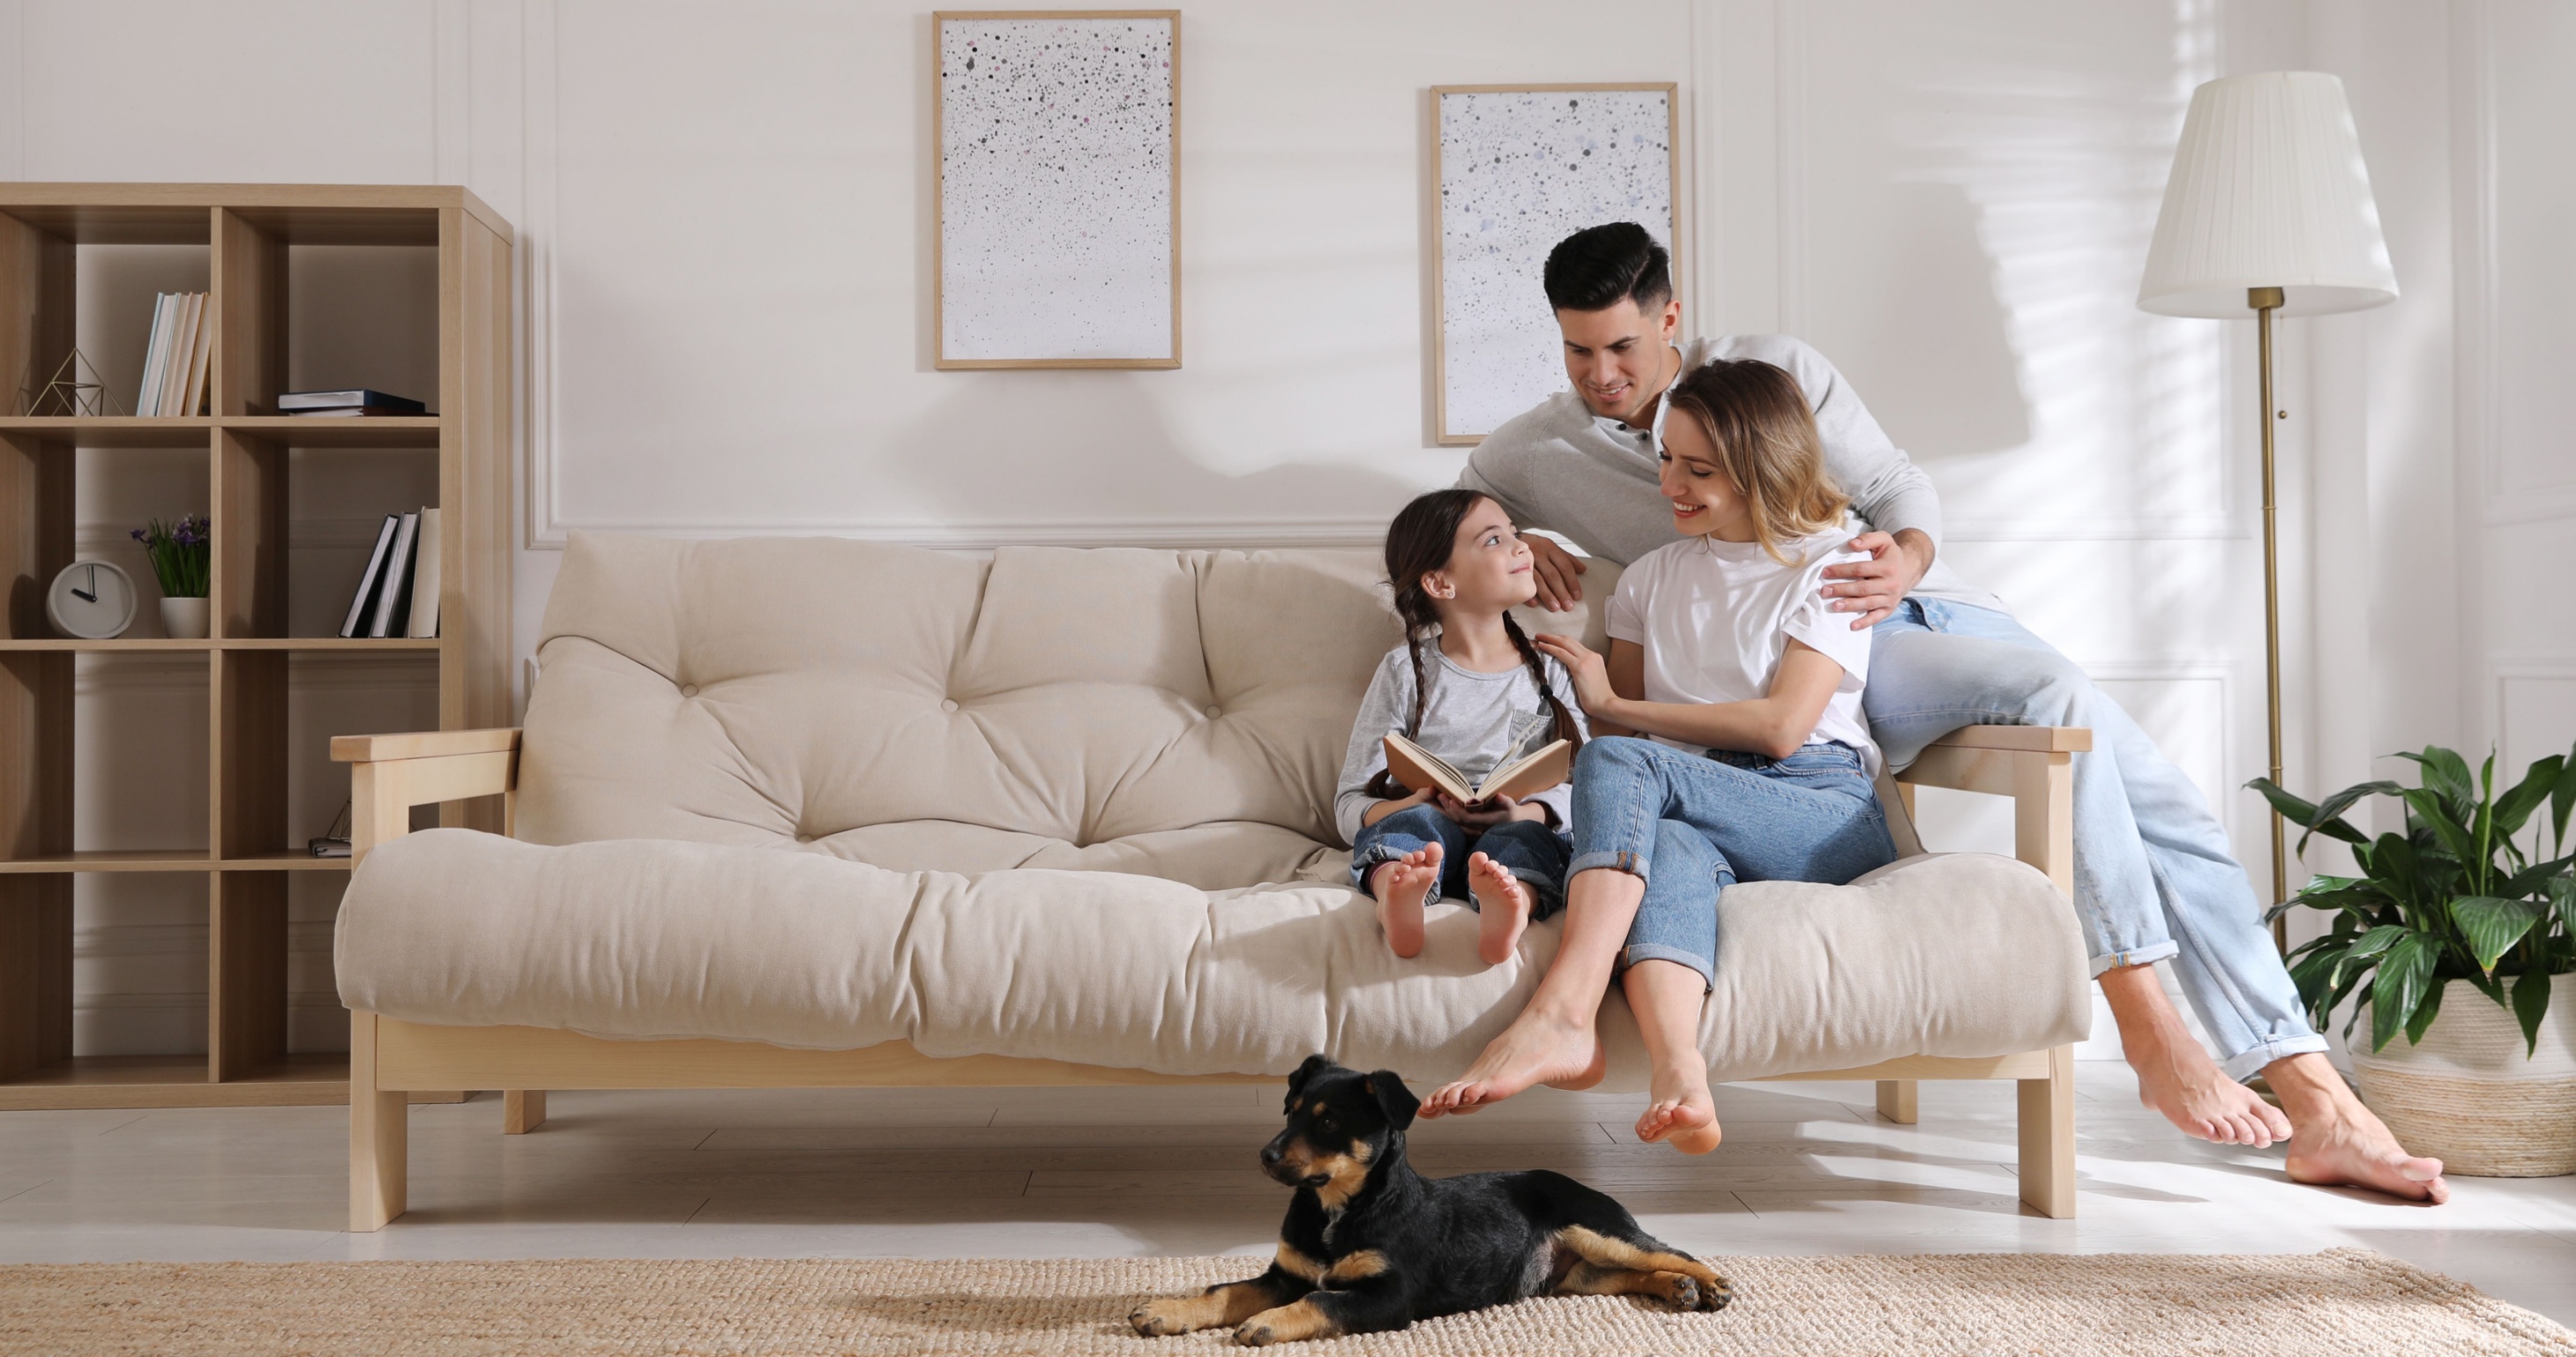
(246, 854)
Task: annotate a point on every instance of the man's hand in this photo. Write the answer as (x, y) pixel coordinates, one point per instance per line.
(1558, 571)
(1874, 587)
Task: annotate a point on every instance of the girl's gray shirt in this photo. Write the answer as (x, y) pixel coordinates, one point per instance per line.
(1478, 722)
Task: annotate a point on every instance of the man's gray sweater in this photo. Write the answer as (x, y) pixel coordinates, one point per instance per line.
(1565, 469)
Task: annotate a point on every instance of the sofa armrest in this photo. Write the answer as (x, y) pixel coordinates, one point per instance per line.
(390, 774)
(2034, 765)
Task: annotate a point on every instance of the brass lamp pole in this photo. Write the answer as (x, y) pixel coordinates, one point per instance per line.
(2265, 301)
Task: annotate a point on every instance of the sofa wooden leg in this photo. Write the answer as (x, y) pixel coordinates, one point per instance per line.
(379, 1135)
(522, 1110)
(1896, 1100)
(2048, 1137)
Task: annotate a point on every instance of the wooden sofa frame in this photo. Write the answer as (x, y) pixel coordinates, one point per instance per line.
(388, 1057)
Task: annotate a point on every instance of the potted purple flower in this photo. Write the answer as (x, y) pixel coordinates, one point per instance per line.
(182, 555)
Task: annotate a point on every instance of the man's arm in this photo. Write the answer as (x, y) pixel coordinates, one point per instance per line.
(1887, 489)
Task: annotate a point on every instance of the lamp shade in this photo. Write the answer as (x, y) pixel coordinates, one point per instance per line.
(2268, 190)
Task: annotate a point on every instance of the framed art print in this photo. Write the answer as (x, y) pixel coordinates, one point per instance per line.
(1056, 135)
(1515, 169)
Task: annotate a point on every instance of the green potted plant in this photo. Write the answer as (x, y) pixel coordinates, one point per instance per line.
(182, 556)
(2485, 1081)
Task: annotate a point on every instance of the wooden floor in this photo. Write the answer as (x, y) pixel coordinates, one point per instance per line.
(1806, 1168)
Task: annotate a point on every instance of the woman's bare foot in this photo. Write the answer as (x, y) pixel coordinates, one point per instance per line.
(2175, 1076)
(1683, 1114)
(1400, 886)
(1502, 909)
(1538, 1048)
(2340, 1143)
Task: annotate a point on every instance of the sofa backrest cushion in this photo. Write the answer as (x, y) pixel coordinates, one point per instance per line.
(774, 690)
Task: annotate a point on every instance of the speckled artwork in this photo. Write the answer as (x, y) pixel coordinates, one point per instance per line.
(1056, 161)
(1520, 170)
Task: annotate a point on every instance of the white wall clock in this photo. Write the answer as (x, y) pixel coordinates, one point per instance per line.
(91, 600)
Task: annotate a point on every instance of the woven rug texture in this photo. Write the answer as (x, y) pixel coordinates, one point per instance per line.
(2344, 1302)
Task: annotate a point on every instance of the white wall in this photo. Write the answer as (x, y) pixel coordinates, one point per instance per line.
(725, 234)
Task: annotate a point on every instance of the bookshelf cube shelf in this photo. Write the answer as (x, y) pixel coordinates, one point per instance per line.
(247, 230)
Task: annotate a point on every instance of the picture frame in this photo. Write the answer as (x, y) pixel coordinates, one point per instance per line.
(1004, 292)
(1479, 375)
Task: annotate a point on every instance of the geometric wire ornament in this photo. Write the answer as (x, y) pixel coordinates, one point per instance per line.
(66, 393)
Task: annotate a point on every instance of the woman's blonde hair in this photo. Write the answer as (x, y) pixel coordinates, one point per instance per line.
(1765, 435)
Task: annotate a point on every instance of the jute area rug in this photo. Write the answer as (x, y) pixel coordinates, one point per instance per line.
(2345, 1302)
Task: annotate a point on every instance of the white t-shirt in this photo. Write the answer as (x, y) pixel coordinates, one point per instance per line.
(1715, 617)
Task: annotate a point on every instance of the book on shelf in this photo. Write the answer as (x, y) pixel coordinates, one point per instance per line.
(371, 578)
(1421, 770)
(390, 600)
(354, 401)
(176, 358)
(156, 351)
(425, 579)
(397, 594)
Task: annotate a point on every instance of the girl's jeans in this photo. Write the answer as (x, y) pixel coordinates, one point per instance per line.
(2154, 877)
(1525, 848)
(1691, 825)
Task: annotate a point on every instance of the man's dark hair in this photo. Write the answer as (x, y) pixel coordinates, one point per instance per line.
(1593, 269)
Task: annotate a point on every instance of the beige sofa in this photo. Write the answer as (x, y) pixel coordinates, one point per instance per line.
(825, 813)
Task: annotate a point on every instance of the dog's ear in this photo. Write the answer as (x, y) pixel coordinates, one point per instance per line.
(1393, 1098)
(1315, 1065)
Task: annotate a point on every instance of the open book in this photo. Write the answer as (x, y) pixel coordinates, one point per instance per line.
(1420, 769)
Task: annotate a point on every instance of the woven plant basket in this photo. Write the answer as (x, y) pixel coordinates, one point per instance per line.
(2469, 1097)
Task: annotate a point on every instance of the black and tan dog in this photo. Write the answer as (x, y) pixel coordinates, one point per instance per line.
(1369, 1244)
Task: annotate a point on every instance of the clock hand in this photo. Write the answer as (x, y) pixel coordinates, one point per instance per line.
(84, 597)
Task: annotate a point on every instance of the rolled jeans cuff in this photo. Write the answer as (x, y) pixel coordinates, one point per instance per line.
(2245, 1065)
(1654, 951)
(1634, 864)
(2136, 956)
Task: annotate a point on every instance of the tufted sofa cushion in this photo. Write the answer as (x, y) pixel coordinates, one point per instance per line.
(1174, 714)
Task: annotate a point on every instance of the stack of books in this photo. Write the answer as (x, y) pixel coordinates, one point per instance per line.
(174, 363)
(357, 401)
(398, 594)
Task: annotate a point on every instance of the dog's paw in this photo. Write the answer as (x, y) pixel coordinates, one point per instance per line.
(1714, 1297)
(1153, 1321)
(1255, 1333)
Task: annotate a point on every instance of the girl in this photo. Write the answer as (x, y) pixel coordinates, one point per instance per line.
(1469, 687)
(1757, 765)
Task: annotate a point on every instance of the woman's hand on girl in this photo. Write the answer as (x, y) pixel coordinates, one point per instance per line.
(1590, 672)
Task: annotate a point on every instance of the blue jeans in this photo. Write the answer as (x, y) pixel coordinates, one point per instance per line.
(2154, 875)
(1525, 848)
(1691, 825)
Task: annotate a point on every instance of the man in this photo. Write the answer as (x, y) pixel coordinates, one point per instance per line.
(2154, 878)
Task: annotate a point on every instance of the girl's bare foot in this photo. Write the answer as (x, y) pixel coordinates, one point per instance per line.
(1538, 1048)
(1683, 1114)
(1502, 909)
(1400, 886)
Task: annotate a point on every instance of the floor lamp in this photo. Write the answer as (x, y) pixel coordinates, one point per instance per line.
(2268, 212)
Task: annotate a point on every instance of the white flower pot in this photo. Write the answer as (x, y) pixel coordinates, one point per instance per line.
(2469, 1097)
(184, 618)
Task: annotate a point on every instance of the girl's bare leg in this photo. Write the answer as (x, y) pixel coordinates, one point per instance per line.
(1555, 1040)
(1667, 997)
(1400, 886)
